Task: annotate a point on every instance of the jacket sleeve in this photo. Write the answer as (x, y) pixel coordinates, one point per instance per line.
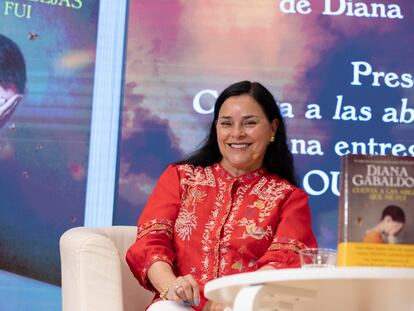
(156, 227)
(293, 233)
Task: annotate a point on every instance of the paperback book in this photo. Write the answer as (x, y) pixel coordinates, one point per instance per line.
(376, 211)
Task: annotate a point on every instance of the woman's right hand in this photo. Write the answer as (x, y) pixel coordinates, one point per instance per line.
(184, 290)
(8, 106)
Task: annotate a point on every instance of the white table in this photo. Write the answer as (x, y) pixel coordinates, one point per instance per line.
(317, 289)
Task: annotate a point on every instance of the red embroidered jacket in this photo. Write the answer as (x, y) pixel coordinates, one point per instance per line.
(204, 222)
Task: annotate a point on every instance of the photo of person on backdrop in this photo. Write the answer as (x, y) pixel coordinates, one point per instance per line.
(12, 77)
(388, 229)
(232, 206)
(47, 77)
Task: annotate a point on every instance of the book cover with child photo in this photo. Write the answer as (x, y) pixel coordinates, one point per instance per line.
(376, 212)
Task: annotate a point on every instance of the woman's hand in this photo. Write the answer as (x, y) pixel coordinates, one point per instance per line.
(184, 290)
(8, 106)
(266, 268)
(214, 306)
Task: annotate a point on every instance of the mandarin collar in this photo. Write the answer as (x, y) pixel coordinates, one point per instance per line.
(241, 179)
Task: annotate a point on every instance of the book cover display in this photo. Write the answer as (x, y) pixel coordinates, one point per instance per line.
(44, 138)
(376, 211)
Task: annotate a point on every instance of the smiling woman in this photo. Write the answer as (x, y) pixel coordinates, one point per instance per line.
(277, 157)
(232, 206)
(243, 134)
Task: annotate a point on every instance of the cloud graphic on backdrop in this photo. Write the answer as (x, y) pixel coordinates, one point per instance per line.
(140, 130)
(147, 147)
(379, 45)
(256, 43)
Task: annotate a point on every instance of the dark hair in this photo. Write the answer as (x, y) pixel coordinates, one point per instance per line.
(395, 212)
(278, 158)
(12, 64)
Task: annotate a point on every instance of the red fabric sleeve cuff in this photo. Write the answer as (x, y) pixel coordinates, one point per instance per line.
(145, 282)
(280, 259)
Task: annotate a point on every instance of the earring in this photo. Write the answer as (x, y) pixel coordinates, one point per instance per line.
(272, 138)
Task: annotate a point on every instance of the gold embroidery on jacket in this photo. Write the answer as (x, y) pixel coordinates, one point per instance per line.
(147, 229)
(286, 243)
(264, 208)
(185, 223)
(269, 193)
(228, 228)
(191, 196)
(238, 265)
(206, 242)
(254, 231)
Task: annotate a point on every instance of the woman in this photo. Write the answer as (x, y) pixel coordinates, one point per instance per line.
(231, 207)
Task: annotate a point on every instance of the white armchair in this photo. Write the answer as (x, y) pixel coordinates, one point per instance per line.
(95, 276)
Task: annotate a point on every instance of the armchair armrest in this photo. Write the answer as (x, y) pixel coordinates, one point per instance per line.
(95, 275)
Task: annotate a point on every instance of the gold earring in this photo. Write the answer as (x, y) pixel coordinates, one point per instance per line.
(272, 138)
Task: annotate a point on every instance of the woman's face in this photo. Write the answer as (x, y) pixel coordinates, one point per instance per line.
(243, 133)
